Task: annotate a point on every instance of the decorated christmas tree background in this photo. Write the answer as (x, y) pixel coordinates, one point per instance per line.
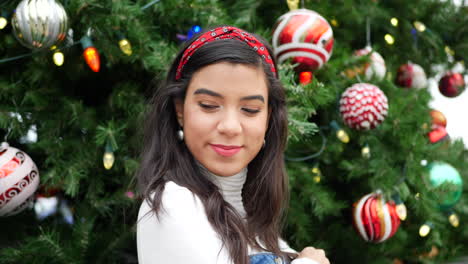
(374, 175)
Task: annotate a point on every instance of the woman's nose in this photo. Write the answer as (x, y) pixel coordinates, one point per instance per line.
(230, 123)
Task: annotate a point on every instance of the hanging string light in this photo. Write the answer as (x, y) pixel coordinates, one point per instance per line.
(340, 133)
(3, 20)
(453, 219)
(305, 77)
(124, 44)
(317, 174)
(389, 39)
(108, 158)
(419, 26)
(365, 151)
(90, 54)
(394, 21)
(425, 229)
(58, 56)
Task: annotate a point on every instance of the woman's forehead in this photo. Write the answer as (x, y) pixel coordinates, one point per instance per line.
(228, 79)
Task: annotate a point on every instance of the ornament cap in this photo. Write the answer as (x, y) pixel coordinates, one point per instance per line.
(4, 146)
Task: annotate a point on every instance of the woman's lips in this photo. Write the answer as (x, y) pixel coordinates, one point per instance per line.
(226, 151)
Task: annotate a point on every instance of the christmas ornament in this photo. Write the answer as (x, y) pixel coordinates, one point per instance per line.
(363, 106)
(411, 76)
(45, 207)
(91, 54)
(438, 119)
(375, 68)
(305, 37)
(375, 219)
(452, 84)
(39, 24)
(19, 179)
(446, 184)
(438, 134)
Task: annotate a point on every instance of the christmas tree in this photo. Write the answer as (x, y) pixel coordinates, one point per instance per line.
(81, 123)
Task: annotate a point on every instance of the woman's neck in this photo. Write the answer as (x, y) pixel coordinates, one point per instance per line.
(230, 187)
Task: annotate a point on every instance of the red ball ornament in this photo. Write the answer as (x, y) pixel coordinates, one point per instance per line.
(452, 84)
(363, 106)
(19, 179)
(374, 219)
(438, 134)
(411, 76)
(305, 36)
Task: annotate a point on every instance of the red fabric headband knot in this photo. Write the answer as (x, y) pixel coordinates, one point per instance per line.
(225, 33)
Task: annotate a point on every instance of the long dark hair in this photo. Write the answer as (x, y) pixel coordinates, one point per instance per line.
(164, 158)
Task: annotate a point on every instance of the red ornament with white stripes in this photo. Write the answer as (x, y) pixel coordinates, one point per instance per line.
(411, 75)
(305, 37)
(363, 106)
(19, 179)
(374, 219)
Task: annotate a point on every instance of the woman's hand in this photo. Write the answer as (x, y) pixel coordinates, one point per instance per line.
(317, 255)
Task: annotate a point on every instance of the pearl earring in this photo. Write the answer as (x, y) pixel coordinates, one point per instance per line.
(180, 134)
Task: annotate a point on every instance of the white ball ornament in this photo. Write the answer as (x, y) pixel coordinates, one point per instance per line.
(40, 24)
(411, 75)
(363, 106)
(376, 67)
(19, 179)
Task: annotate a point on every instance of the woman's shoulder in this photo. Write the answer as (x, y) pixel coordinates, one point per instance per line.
(175, 198)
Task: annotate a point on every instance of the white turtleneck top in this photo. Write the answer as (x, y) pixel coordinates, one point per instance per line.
(183, 234)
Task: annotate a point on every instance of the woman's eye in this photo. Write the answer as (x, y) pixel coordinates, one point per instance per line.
(250, 111)
(207, 106)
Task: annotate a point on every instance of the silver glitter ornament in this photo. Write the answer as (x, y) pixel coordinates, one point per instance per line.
(40, 24)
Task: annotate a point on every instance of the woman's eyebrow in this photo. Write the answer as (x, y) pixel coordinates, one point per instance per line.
(215, 94)
(208, 92)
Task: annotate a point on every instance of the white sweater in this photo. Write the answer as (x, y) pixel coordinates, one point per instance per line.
(183, 234)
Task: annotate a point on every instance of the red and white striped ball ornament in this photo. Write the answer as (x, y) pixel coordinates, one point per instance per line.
(305, 37)
(376, 67)
(19, 179)
(411, 75)
(363, 106)
(374, 219)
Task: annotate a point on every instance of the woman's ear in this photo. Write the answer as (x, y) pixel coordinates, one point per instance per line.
(179, 108)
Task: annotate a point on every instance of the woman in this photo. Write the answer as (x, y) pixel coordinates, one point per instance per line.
(212, 174)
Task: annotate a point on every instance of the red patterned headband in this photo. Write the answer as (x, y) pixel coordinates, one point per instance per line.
(225, 33)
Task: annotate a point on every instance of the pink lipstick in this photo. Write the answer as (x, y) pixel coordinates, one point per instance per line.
(226, 151)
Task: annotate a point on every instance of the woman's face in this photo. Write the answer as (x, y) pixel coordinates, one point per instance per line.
(225, 116)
